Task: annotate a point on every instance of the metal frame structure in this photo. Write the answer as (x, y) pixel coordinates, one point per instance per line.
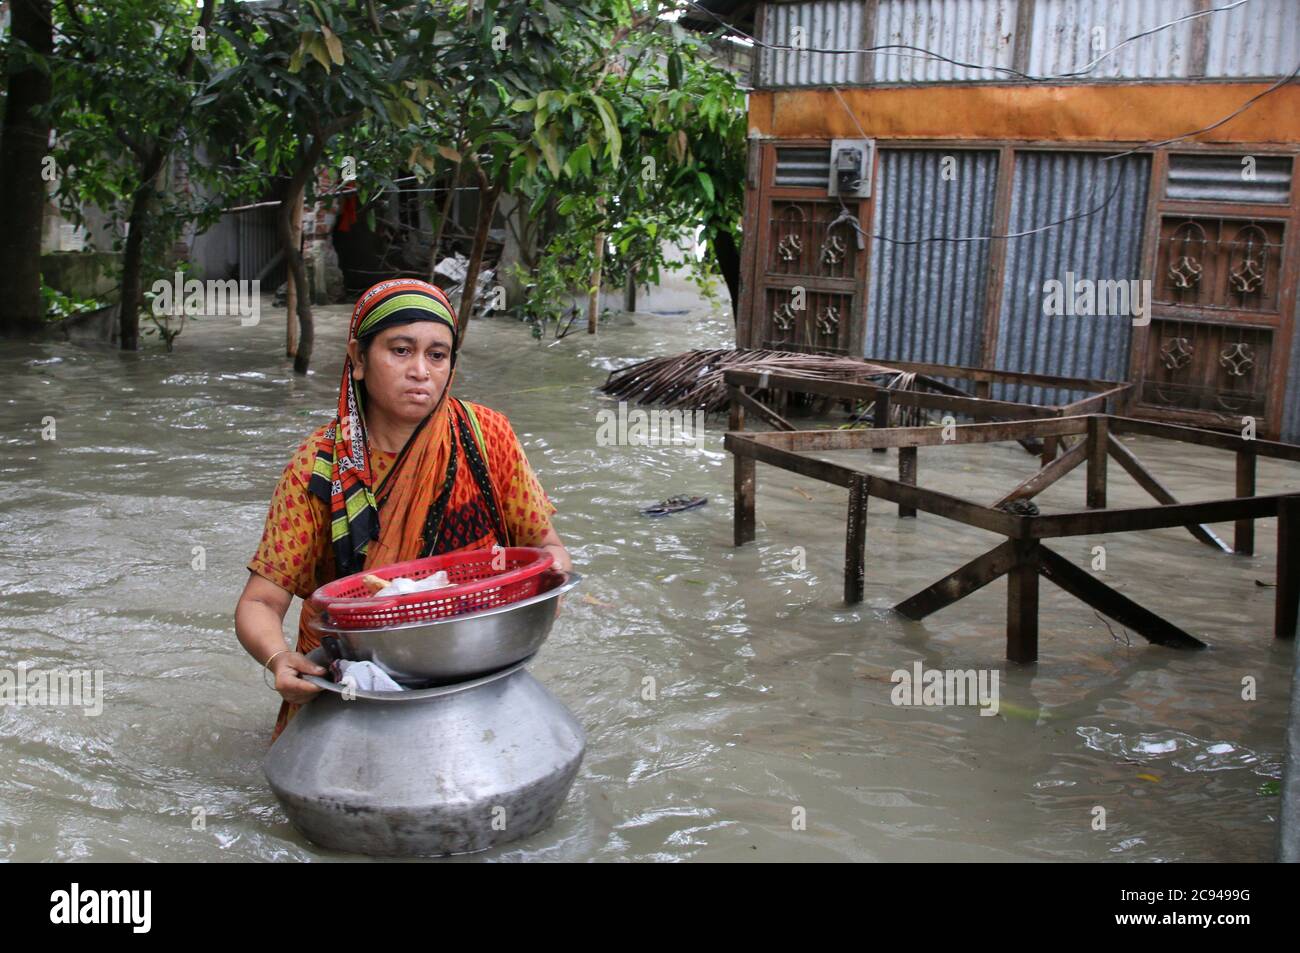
(1023, 557)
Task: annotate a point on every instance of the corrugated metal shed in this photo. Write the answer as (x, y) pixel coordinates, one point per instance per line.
(1048, 187)
(970, 31)
(926, 301)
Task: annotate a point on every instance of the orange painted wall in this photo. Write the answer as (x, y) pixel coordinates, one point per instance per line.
(1076, 113)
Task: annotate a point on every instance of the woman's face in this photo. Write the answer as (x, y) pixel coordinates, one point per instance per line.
(405, 368)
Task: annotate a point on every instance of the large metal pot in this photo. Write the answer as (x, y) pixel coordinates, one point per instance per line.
(446, 770)
(443, 651)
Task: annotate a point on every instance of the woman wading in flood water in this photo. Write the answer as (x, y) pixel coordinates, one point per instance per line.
(403, 471)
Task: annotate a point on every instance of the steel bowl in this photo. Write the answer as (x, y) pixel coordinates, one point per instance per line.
(442, 651)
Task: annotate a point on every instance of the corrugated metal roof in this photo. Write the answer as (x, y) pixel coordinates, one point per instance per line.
(926, 302)
(1107, 246)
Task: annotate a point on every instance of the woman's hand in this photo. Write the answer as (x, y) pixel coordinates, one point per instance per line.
(552, 544)
(562, 563)
(293, 689)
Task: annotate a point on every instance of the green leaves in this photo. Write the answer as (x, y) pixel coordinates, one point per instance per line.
(613, 139)
(705, 182)
(545, 139)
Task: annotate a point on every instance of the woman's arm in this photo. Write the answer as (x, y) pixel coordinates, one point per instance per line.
(552, 544)
(259, 625)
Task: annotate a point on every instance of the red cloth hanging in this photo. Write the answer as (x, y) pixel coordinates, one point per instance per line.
(348, 214)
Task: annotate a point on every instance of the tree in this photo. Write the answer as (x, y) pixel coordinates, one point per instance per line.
(672, 165)
(24, 144)
(125, 94)
(495, 68)
(302, 77)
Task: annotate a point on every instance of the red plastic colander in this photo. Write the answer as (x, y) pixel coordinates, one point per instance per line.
(475, 585)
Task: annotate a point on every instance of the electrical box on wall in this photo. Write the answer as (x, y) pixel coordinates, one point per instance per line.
(852, 161)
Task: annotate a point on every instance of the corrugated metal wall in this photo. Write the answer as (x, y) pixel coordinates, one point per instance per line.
(971, 31)
(1067, 35)
(1257, 39)
(258, 245)
(827, 24)
(926, 301)
(1291, 400)
(1264, 41)
(1048, 187)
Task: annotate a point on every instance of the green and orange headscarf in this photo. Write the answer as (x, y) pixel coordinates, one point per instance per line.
(342, 475)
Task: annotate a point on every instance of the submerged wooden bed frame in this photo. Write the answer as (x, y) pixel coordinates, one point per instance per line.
(1022, 557)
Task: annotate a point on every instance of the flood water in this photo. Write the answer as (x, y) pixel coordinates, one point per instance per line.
(772, 698)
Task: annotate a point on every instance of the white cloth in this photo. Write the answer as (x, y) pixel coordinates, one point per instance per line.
(364, 676)
(401, 585)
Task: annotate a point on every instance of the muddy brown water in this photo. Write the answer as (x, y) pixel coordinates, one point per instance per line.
(736, 708)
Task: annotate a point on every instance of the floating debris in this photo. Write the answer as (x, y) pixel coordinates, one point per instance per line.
(674, 504)
(695, 379)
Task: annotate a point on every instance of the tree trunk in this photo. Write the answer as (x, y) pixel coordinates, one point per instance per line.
(133, 252)
(442, 221)
(24, 143)
(291, 288)
(727, 255)
(308, 157)
(297, 270)
(294, 263)
(593, 294)
(487, 207)
(132, 264)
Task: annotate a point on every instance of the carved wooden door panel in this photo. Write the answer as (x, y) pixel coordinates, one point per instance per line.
(1223, 286)
(810, 263)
